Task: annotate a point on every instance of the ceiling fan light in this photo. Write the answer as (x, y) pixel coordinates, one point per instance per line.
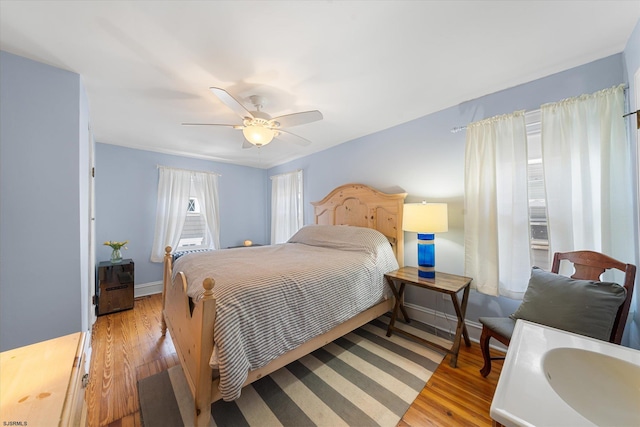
(258, 135)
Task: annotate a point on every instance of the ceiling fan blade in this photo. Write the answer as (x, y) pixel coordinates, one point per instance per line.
(231, 102)
(285, 136)
(295, 119)
(212, 124)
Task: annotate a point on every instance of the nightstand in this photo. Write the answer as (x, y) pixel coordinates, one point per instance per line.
(449, 284)
(114, 286)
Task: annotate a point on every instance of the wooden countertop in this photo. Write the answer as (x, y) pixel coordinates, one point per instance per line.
(34, 381)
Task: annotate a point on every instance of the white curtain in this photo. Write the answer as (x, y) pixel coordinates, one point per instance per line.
(173, 197)
(174, 188)
(205, 186)
(588, 174)
(497, 249)
(286, 206)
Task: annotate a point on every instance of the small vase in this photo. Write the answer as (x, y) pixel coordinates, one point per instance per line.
(116, 256)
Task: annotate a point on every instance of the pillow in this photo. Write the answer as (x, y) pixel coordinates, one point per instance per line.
(343, 237)
(584, 307)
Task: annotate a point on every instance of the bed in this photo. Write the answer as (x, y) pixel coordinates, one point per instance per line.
(203, 314)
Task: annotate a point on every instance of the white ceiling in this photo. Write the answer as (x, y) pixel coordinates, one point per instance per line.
(366, 65)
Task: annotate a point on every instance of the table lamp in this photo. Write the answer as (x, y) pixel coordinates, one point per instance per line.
(426, 219)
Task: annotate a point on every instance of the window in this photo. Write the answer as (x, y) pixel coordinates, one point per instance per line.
(539, 238)
(194, 230)
(532, 190)
(194, 206)
(187, 211)
(286, 206)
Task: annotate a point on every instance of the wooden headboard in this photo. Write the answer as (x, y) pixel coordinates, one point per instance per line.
(362, 206)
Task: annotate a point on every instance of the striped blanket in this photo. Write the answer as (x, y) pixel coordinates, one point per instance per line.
(271, 299)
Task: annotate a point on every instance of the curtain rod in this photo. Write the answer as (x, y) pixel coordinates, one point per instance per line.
(186, 170)
(625, 90)
(285, 173)
(528, 113)
(637, 113)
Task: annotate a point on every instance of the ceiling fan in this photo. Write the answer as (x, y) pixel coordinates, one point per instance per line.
(258, 127)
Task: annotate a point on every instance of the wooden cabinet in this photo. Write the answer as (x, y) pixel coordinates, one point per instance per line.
(114, 286)
(43, 384)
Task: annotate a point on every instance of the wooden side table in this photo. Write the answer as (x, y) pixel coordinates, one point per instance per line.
(445, 283)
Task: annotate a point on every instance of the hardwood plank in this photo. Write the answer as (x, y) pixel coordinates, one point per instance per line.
(128, 346)
(95, 371)
(108, 370)
(456, 396)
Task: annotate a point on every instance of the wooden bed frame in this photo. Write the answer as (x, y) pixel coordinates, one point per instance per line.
(192, 331)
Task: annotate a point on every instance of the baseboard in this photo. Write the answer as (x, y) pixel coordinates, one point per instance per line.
(144, 289)
(447, 323)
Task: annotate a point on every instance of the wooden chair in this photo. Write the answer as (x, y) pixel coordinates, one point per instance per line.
(588, 265)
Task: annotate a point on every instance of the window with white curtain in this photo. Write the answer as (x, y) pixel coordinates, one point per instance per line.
(287, 214)
(575, 193)
(186, 211)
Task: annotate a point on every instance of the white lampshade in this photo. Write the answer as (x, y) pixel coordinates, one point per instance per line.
(258, 135)
(425, 217)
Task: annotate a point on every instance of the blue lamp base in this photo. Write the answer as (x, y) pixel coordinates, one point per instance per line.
(426, 256)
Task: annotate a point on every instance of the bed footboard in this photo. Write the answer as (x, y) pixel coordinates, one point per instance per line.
(192, 335)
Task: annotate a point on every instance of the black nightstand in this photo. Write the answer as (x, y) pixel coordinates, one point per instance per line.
(114, 286)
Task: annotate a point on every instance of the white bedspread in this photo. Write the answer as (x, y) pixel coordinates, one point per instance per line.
(271, 299)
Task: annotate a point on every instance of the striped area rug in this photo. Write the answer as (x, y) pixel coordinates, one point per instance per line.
(361, 379)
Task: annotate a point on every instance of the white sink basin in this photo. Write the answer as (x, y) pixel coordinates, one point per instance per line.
(603, 389)
(556, 378)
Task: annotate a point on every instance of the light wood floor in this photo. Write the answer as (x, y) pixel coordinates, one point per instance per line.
(127, 347)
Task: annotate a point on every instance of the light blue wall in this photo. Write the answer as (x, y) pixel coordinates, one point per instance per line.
(42, 116)
(425, 159)
(126, 196)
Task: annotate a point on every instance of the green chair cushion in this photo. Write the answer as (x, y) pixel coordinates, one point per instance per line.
(584, 307)
(502, 325)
